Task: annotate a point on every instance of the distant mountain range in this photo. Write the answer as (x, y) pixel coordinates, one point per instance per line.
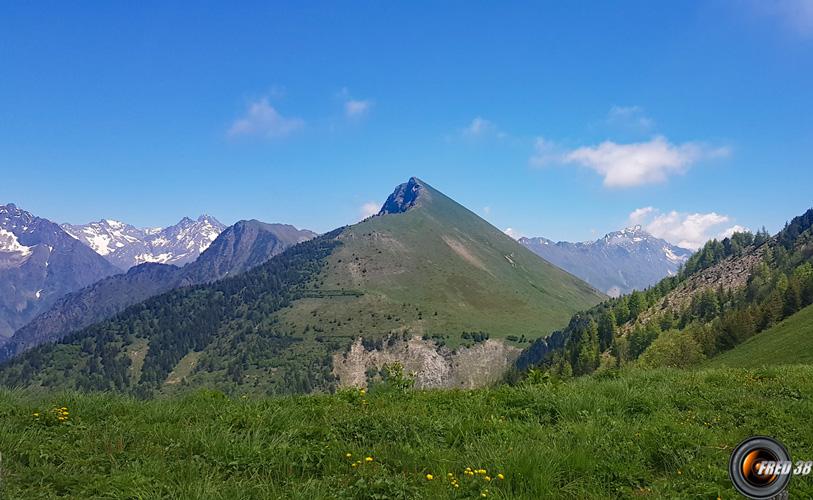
(39, 263)
(621, 261)
(424, 273)
(238, 248)
(268, 308)
(126, 246)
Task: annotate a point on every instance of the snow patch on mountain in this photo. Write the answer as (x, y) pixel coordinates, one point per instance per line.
(679, 259)
(126, 246)
(39, 263)
(10, 244)
(618, 263)
(161, 258)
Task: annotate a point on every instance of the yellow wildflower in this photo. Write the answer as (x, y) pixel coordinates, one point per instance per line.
(368, 459)
(487, 478)
(349, 455)
(500, 476)
(429, 477)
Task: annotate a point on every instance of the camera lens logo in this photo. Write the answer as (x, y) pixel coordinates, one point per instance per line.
(760, 467)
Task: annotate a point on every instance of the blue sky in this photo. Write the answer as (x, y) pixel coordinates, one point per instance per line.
(689, 117)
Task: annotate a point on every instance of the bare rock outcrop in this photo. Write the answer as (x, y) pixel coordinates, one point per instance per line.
(433, 367)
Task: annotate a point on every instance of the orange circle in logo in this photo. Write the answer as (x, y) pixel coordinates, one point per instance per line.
(751, 470)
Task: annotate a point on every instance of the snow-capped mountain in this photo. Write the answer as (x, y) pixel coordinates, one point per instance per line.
(237, 249)
(39, 263)
(621, 261)
(126, 246)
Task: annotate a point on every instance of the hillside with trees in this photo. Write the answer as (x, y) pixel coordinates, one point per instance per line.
(728, 292)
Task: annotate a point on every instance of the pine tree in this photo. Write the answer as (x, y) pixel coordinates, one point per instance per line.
(588, 350)
(708, 307)
(637, 304)
(621, 311)
(606, 330)
(793, 298)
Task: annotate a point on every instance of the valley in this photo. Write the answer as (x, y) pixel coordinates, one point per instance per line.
(406, 250)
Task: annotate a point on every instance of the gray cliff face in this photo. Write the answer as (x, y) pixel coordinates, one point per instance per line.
(621, 261)
(405, 197)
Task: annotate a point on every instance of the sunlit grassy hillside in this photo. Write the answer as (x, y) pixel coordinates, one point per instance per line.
(655, 434)
(789, 342)
(438, 269)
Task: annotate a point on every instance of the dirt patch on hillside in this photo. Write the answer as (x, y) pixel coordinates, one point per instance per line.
(460, 249)
(184, 368)
(467, 367)
(137, 351)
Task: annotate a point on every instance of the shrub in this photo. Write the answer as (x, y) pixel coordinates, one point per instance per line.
(673, 349)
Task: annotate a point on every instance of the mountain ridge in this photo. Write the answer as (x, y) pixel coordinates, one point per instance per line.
(125, 245)
(255, 243)
(617, 263)
(39, 262)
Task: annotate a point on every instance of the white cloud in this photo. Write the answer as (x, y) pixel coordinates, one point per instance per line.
(635, 164)
(368, 209)
(354, 108)
(639, 215)
(736, 228)
(487, 210)
(261, 119)
(545, 153)
(357, 108)
(687, 230)
(513, 233)
(480, 128)
(631, 117)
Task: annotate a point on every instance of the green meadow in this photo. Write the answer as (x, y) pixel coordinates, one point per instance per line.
(788, 342)
(634, 433)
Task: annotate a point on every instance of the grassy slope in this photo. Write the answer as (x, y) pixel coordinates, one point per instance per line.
(440, 269)
(789, 342)
(657, 434)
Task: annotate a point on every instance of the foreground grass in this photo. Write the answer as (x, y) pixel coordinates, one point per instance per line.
(641, 434)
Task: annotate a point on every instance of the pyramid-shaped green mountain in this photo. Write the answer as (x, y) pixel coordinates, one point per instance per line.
(438, 268)
(423, 268)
